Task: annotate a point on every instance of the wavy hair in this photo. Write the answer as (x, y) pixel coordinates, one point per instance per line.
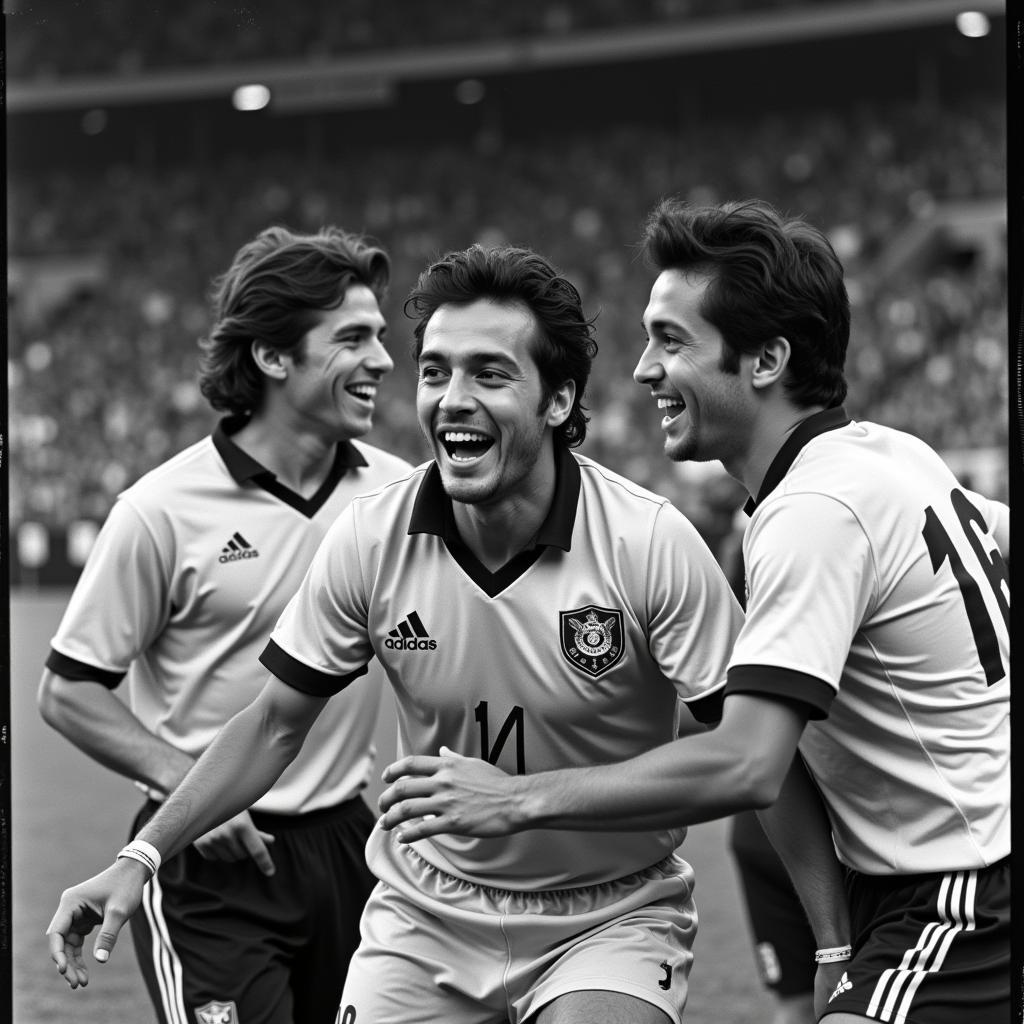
(273, 292)
(768, 276)
(564, 348)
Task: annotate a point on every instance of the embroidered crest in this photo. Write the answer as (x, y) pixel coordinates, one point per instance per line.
(217, 1013)
(592, 638)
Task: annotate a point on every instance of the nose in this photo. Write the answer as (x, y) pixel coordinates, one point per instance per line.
(458, 396)
(379, 359)
(648, 369)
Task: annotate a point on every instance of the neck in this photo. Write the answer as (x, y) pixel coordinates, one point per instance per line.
(300, 461)
(497, 531)
(772, 431)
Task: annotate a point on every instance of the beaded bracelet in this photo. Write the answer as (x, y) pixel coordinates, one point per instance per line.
(834, 954)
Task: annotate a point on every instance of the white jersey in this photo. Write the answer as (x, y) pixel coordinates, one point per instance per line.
(572, 654)
(188, 576)
(877, 595)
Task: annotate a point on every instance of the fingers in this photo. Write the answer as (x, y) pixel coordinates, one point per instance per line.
(404, 789)
(415, 765)
(409, 831)
(256, 847)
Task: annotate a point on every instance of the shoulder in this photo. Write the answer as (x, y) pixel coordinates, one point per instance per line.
(381, 463)
(604, 483)
(395, 489)
(192, 470)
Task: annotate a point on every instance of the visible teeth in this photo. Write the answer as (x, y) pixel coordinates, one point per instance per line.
(670, 403)
(463, 437)
(363, 390)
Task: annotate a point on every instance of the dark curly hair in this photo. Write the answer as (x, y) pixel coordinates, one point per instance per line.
(769, 276)
(565, 346)
(273, 291)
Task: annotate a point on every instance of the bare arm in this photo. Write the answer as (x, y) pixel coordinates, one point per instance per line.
(708, 775)
(241, 764)
(101, 725)
(798, 827)
(96, 721)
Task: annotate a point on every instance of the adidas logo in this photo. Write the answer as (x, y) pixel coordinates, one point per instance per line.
(410, 635)
(844, 986)
(237, 548)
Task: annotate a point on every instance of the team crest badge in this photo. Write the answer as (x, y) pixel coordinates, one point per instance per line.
(592, 638)
(217, 1013)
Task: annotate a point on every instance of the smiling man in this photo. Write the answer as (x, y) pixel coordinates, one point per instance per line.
(875, 644)
(532, 610)
(256, 921)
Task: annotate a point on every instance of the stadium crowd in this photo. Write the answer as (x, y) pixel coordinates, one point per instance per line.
(103, 380)
(122, 37)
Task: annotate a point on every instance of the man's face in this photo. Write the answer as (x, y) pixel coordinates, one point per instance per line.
(706, 410)
(479, 400)
(341, 361)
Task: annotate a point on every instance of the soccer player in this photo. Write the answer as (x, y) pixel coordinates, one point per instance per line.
(257, 919)
(531, 608)
(875, 640)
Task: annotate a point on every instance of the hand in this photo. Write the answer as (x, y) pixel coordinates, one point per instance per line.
(826, 980)
(236, 839)
(450, 794)
(108, 900)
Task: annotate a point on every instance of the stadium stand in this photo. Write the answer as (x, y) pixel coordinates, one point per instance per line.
(110, 258)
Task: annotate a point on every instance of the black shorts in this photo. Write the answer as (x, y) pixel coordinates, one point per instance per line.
(220, 941)
(929, 949)
(783, 940)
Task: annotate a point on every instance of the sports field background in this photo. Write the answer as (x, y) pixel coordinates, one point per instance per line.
(70, 816)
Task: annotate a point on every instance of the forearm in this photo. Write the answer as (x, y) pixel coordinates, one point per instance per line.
(690, 780)
(243, 762)
(798, 827)
(102, 726)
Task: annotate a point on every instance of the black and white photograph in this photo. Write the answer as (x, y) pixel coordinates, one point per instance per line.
(508, 511)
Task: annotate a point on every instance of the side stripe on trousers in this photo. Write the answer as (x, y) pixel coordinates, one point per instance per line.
(894, 993)
(166, 964)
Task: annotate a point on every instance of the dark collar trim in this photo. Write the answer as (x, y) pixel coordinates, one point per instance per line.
(432, 513)
(432, 510)
(245, 469)
(807, 430)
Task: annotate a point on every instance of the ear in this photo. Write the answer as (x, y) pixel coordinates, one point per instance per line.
(268, 360)
(770, 362)
(560, 404)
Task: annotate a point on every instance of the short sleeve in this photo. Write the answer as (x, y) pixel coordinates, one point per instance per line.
(693, 615)
(811, 579)
(321, 642)
(119, 605)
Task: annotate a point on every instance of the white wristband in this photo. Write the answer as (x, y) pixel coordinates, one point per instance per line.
(144, 853)
(834, 954)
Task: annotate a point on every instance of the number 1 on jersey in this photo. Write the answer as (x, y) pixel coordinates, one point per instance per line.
(513, 721)
(940, 547)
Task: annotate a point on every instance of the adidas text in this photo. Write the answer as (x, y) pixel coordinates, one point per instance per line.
(236, 555)
(410, 643)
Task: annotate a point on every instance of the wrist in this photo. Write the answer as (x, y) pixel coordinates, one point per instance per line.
(142, 852)
(833, 954)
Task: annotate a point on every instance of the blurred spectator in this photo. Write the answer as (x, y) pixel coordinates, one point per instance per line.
(101, 383)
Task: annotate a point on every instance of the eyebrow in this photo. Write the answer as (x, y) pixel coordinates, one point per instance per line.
(481, 357)
(360, 327)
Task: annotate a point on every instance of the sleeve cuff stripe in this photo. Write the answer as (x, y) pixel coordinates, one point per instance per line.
(79, 671)
(786, 683)
(302, 677)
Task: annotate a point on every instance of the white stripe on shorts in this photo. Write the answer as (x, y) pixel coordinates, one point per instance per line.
(955, 908)
(166, 964)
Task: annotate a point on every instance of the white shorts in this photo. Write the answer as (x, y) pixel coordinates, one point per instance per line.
(436, 948)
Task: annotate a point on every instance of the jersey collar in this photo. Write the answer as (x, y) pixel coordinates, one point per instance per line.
(432, 511)
(807, 430)
(245, 469)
